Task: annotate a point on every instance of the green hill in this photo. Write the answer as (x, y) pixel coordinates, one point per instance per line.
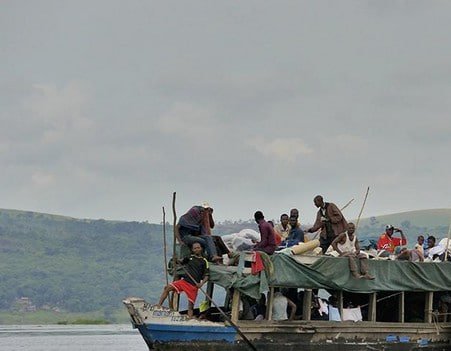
(79, 265)
(421, 218)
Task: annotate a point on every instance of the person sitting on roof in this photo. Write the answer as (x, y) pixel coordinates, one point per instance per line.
(420, 244)
(387, 242)
(296, 234)
(195, 275)
(430, 244)
(347, 245)
(267, 241)
(282, 229)
(194, 227)
(414, 255)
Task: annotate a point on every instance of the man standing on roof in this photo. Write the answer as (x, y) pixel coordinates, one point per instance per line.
(267, 241)
(387, 242)
(330, 220)
(347, 245)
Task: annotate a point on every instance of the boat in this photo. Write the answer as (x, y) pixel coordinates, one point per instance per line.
(399, 308)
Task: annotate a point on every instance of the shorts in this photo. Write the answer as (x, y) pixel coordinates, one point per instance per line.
(189, 289)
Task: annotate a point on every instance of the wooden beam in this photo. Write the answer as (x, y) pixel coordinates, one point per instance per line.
(210, 288)
(340, 303)
(401, 302)
(270, 303)
(372, 307)
(307, 305)
(428, 307)
(235, 306)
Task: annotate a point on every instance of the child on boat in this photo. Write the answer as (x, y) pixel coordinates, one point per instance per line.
(196, 274)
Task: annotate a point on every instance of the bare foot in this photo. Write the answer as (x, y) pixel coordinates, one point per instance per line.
(367, 276)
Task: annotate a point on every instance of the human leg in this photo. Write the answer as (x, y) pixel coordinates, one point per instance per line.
(364, 267)
(167, 289)
(190, 309)
(353, 266)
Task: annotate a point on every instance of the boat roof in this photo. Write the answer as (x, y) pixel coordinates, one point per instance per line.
(332, 273)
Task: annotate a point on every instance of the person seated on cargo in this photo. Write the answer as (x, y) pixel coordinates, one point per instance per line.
(347, 245)
(267, 241)
(413, 255)
(430, 243)
(280, 306)
(282, 229)
(387, 242)
(420, 244)
(296, 234)
(195, 227)
(195, 275)
(294, 212)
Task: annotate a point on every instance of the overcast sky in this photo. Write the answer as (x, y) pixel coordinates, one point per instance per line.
(107, 107)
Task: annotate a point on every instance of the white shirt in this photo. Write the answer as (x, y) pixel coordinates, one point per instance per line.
(279, 307)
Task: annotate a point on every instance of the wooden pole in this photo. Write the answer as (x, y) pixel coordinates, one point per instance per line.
(361, 210)
(447, 242)
(164, 246)
(248, 342)
(349, 202)
(175, 296)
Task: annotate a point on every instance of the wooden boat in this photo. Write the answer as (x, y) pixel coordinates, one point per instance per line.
(399, 308)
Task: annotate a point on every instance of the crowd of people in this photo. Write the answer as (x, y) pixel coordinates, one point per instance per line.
(334, 237)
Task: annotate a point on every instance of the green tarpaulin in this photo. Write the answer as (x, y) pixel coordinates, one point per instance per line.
(333, 273)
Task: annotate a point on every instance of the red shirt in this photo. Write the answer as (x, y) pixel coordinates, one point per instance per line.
(388, 244)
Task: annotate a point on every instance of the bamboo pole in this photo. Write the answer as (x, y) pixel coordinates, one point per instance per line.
(349, 202)
(175, 296)
(447, 242)
(164, 246)
(248, 342)
(361, 210)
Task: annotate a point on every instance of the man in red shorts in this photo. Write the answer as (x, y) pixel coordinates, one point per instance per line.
(197, 267)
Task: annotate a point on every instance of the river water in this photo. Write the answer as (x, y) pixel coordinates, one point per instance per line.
(70, 338)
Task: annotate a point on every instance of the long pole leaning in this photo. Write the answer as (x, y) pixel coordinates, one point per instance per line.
(361, 210)
(174, 251)
(248, 342)
(165, 246)
(447, 243)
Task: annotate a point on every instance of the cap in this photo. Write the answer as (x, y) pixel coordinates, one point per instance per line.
(205, 204)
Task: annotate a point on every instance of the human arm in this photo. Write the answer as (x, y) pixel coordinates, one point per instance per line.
(403, 240)
(293, 308)
(336, 241)
(318, 223)
(357, 246)
(210, 217)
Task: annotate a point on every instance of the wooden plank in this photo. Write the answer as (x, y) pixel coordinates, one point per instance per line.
(428, 307)
(235, 306)
(372, 307)
(340, 304)
(210, 289)
(270, 303)
(401, 302)
(307, 305)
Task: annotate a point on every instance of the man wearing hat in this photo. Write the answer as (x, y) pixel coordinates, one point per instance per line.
(387, 242)
(195, 227)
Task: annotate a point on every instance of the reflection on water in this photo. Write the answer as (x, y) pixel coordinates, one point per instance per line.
(70, 338)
